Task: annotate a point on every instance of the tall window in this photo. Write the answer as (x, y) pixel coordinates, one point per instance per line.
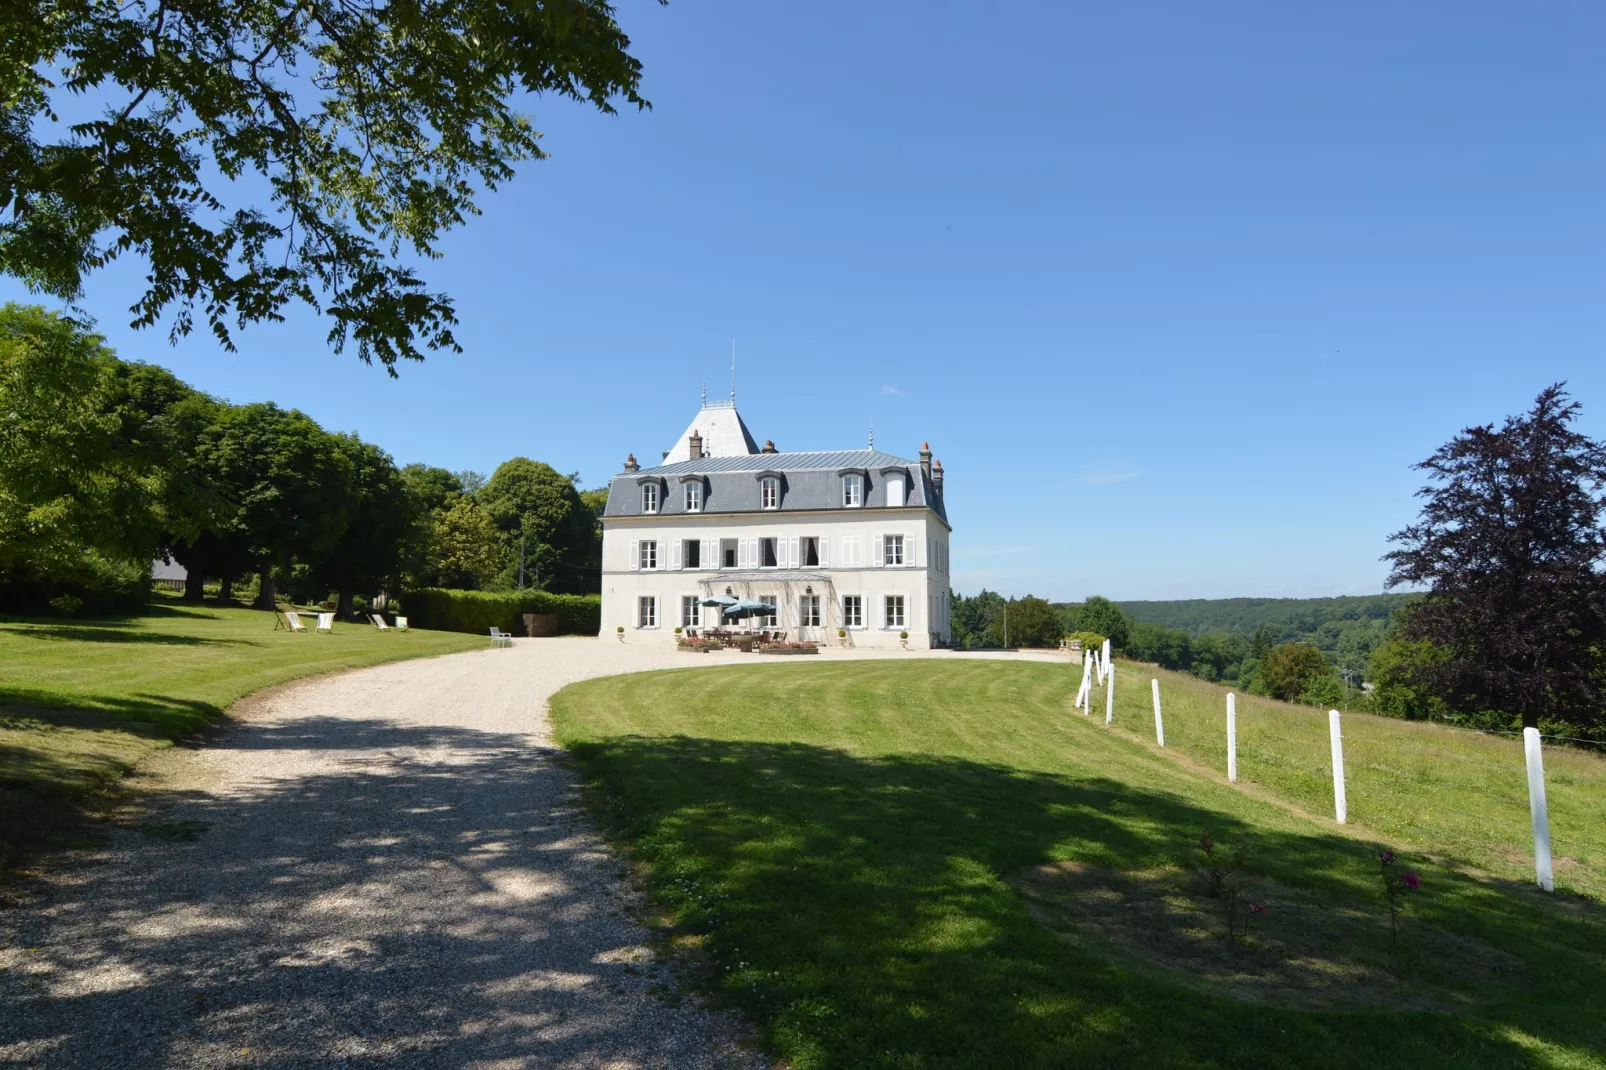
(892, 550)
(649, 554)
(690, 611)
(853, 611)
(852, 490)
(694, 497)
(691, 553)
(649, 497)
(808, 611)
(767, 556)
(895, 490)
(769, 494)
(647, 611)
(772, 620)
(810, 551)
(727, 553)
(894, 611)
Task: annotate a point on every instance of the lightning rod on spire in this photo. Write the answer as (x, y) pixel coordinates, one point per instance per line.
(733, 371)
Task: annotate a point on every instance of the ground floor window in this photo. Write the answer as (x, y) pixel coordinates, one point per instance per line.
(853, 611)
(772, 620)
(895, 611)
(690, 611)
(808, 611)
(647, 611)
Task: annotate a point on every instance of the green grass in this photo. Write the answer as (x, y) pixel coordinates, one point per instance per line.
(1459, 795)
(81, 702)
(912, 864)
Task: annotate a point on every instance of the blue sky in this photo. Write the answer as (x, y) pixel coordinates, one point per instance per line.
(1177, 295)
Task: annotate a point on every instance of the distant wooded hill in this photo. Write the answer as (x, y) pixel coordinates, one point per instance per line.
(1283, 618)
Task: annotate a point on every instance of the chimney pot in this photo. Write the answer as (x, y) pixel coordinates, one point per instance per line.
(936, 477)
(630, 463)
(695, 444)
(925, 459)
(769, 446)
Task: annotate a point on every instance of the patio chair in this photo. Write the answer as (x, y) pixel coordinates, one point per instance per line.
(401, 624)
(379, 622)
(500, 638)
(291, 622)
(326, 622)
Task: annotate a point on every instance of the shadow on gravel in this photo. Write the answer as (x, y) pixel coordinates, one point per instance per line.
(422, 897)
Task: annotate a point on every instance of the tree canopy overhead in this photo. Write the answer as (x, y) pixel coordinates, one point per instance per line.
(363, 131)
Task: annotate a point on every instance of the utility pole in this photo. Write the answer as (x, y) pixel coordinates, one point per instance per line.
(1006, 625)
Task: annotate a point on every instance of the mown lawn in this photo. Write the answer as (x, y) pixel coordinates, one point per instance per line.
(1459, 795)
(941, 864)
(81, 702)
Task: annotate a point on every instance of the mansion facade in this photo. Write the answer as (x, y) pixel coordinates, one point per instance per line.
(855, 540)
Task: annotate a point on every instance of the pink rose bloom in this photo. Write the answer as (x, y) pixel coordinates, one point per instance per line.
(1411, 881)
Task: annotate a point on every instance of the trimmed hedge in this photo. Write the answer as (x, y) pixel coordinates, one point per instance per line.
(477, 611)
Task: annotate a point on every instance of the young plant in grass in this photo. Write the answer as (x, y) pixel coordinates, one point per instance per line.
(1222, 873)
(1397, 885)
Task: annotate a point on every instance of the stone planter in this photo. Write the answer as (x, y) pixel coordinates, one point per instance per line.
(540, 625)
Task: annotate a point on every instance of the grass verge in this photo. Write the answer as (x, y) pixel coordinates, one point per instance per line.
(81, 702)
(913, 864)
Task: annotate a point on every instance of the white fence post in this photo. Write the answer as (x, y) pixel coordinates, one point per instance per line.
(1109, 695)
(1340, 804)
(1232, 737)
(1159, 724)
(1537, 808)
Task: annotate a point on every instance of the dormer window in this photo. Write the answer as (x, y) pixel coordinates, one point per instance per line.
(895, 494)
(649, 497)
(694, 497)
(852, 491)
(769, 493)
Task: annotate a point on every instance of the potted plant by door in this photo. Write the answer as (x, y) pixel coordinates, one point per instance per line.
(621, 632)
(903, 640)
(842, 637)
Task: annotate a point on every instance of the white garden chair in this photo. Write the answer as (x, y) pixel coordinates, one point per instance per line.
(326, 622)
(401, 624)
(500, 638)
(379, 622)
(293, 619)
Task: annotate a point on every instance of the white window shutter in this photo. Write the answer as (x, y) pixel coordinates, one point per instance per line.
(710, 554)
(794, 555)
(635, 554)
(824, 560)
(880, 549)
(675, 554)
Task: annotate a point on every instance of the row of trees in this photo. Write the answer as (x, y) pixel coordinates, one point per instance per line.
(109, 464)
(1509, 627)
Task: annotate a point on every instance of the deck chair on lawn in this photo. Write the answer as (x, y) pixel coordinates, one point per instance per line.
(500, 638)
(379, 622)
(326, 622)
(290, 621)
(401, 624)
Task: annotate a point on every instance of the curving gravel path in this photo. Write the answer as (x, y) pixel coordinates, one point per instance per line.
(385, 867)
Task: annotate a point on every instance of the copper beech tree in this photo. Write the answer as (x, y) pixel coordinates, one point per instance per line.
(257, 153)
(1510, 549)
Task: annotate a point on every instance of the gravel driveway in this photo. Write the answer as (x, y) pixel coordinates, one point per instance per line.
(385, 867)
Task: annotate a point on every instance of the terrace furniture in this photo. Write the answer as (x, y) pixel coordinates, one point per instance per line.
(326, 622)
(379, 622)
(401, 624)
(291, 621)
(500, 638)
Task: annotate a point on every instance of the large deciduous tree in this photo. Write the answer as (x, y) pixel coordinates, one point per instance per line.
(534, 503)
(257, 153)
(1510, 548)
(381, 515)
(1289, 670)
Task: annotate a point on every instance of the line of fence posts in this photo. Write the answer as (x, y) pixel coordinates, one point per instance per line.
(1109, 694)
(1537, 807)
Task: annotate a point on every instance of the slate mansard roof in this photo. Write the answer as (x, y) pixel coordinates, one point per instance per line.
(809, 481)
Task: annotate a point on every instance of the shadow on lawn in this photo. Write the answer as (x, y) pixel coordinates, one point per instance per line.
(102, 633)
(426, 897)
(858, 909)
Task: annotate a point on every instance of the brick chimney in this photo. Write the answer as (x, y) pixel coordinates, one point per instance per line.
(630, 463)
(769, 447)
(925, 459)
(936, 478)
(696, 444)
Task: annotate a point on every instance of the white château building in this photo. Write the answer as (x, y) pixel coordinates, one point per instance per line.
(852, 539)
